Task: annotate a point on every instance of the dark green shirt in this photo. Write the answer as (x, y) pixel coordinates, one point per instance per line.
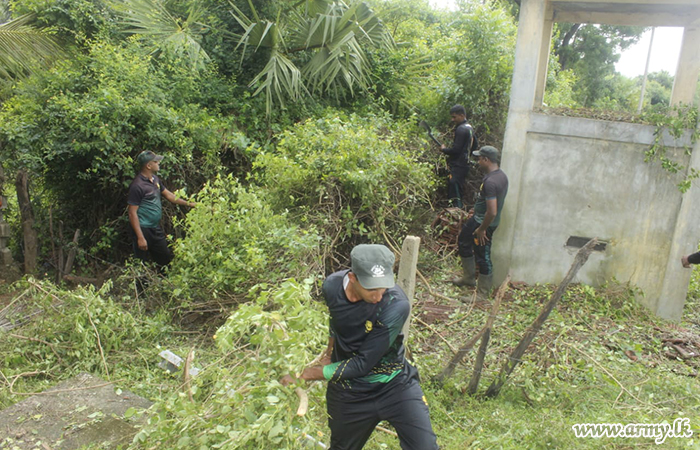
(368, 350)
(494, 185)
(146, 194)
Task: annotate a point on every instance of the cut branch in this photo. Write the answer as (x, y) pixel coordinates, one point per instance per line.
(466, 348)
(516, 355)
(481, 354)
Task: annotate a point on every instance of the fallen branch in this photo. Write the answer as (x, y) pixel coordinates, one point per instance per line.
(481, 354)
(684, 354)
(186, 379)
(99, 342)
(514, 358)
(431, 291)
(303, 401)
(17, 336)
(466, 348)
(387, 431)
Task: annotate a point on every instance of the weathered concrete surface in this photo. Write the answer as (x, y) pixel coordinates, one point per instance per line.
(588, 178)
(80, 411)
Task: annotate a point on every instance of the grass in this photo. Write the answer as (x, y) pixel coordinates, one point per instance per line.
(600, 358)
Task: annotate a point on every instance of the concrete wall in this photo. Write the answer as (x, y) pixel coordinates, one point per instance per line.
(588, 178)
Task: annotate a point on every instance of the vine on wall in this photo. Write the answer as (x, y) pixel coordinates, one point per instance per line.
(676, 121)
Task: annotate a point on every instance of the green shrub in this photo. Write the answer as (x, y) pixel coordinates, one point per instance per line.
(237, 402)
(234, 241)
(356, 178)
(78, 128)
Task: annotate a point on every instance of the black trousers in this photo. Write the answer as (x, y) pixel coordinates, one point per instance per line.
(158, 250)
(401, 404)
(455, 185)
(469, 246)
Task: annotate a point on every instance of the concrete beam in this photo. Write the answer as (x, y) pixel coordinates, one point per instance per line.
(683, 242)
(544, 58)
(522, 97)
(626, 19)
(584, 3)
(686, 79)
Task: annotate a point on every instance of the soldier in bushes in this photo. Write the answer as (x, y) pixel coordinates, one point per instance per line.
(369, 380)
(145, 211)
(458, 155)
(474, 240)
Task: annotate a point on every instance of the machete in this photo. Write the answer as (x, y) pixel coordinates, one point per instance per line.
(424, 124)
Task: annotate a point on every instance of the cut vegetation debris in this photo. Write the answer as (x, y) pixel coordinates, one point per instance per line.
(599, 358)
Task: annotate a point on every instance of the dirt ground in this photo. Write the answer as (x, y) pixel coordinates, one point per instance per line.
(79, 411)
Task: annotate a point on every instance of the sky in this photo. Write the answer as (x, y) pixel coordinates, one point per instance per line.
(664, 53)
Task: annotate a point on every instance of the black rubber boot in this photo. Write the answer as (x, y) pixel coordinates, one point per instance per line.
(483, 286)
(468, 277)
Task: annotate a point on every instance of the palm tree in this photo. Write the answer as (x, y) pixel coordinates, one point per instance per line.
(24, 47)
(164, 31)
(334, 34)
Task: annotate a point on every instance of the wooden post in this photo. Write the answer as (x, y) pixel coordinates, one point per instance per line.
(31, 246)
(407, 274)
(71, 253)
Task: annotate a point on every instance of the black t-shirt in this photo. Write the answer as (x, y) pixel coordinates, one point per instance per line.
(458, 154)
(494, 185)
(368, 351)
(145, 194)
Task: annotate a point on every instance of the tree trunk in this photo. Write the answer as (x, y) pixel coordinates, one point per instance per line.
(27, 216)
(564, 57)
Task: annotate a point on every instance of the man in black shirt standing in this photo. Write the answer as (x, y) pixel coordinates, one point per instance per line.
(474, 240)
(458, 155)
(145, 210)
(369, 380)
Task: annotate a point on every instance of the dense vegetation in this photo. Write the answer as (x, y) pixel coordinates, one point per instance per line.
(296, 144)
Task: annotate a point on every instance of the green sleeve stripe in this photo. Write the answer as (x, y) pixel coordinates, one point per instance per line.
(329, 370)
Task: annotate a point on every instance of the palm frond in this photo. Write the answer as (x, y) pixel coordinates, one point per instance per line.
(151, 20)
(279, 78)
(343, 64)
(23, 47)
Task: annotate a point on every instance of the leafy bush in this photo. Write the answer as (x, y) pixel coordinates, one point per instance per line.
(473, 66)
(81, 125)
(234, 241)
(354, 177)
(237, 401)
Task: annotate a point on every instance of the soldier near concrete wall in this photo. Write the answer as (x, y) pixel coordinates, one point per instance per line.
(474, 240)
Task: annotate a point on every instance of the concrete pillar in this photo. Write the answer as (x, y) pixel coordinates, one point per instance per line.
(684, 241)
(686, 79)
(528, 48)
(544, 57)
(407, 273)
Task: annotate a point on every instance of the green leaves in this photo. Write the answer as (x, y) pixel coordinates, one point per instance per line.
(235, 240)
(347, 176)
(24, 47)
(165, 32)
(335, 36)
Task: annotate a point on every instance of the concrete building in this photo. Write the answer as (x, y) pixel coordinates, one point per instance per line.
(573, 178)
